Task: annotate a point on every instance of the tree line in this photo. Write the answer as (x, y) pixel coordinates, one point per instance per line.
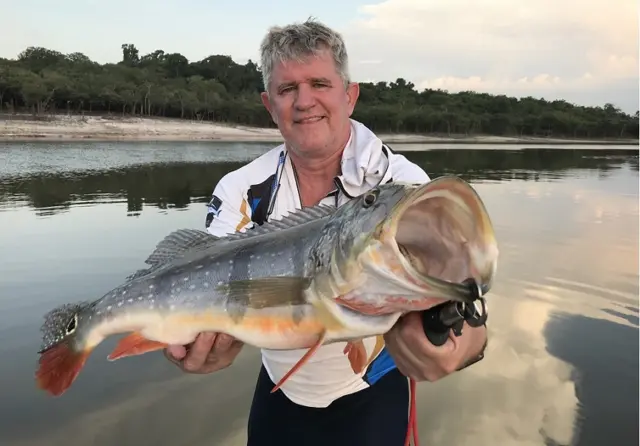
(43, 81)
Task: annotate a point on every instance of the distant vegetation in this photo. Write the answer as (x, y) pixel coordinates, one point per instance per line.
(42, 81)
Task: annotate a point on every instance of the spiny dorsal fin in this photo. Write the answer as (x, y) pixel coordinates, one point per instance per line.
(178, 242)
(291, 220)
(173, 246)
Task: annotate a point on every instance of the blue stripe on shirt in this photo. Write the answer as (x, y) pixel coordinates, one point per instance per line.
(379, 367)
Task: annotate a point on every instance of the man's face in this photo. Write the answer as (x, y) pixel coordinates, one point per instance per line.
(310, 105)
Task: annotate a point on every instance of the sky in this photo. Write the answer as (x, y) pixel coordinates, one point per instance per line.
(583, 51)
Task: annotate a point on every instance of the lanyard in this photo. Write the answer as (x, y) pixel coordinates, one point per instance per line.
(275, 187)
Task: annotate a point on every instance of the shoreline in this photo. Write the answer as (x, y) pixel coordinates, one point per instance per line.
(63, 128)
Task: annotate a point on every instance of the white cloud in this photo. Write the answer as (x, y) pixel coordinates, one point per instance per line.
(585, 51)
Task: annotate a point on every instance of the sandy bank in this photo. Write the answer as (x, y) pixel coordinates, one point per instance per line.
(115, 128)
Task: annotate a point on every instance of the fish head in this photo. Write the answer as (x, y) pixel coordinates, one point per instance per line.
(362, 219)
(407, 247)
(348, 234)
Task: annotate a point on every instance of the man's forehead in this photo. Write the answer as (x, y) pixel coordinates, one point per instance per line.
(310, 67)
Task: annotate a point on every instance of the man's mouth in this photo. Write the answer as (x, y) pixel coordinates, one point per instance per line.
(309, 120)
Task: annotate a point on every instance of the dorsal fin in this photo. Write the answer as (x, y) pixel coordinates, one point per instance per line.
(291, 220)
(178, 242)
(173, 246)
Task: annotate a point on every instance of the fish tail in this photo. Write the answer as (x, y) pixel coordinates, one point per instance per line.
(58, 368)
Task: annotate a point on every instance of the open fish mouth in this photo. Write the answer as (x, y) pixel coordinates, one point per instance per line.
(442, 231)
(432, 243)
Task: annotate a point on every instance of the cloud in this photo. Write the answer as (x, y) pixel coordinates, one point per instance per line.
(583, 49)
(484, 405)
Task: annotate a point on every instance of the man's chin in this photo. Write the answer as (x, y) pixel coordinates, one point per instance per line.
(309, 137)
(310, 146)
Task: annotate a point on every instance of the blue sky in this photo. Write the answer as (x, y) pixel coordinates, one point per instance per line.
(585, 51)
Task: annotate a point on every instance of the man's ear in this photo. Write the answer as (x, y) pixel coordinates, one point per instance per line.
(267, 104)
(353, 92)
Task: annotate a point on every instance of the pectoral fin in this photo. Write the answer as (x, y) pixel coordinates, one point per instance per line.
(357, 354)
(267, 291)
(134, 344)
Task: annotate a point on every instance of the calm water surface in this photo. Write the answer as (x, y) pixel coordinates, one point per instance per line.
(562, 362)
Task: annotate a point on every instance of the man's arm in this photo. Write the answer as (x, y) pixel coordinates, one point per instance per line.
(227, 212)
(414, 355)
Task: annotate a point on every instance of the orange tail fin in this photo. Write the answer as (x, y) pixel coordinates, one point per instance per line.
(134, 344)
(58, 368)
(357, 354)
(301, 362)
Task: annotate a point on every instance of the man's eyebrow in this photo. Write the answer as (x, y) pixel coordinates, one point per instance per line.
(323, 80)
(284, 85)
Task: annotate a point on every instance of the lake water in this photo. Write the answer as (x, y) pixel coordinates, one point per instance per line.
(562, 363)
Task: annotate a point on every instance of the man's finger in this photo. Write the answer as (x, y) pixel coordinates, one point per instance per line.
(414, 337)
(171, 358)
(176, 352)
(199, 351)
(223, 342)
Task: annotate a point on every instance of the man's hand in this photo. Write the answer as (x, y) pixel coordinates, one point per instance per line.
(209, 353)
(419, 359)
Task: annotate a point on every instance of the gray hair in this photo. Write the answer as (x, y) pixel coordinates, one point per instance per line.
(296, 41)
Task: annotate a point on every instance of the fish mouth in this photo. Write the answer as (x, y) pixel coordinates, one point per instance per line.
(443, 235)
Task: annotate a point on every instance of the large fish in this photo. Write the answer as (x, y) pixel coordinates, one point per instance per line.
(317, 276)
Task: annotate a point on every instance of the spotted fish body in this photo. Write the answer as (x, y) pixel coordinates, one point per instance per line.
(277, 286)
(198, 282)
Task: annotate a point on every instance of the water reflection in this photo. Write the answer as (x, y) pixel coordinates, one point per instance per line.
(177, 184)
(562, 362)
(607, 383)
(164, 186)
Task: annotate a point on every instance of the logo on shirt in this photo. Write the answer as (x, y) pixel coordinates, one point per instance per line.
(213, 210)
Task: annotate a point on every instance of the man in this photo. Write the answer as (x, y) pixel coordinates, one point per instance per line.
(329, 158)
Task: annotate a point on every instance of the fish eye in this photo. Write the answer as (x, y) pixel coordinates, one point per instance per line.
(72, 325)
(370, 198)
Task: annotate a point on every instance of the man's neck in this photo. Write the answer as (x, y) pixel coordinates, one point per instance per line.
(315, 175)
(317, 169)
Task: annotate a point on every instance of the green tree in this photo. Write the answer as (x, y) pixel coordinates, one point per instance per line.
(217, 88)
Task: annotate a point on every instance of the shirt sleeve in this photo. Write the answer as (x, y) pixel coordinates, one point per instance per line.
(228, 210)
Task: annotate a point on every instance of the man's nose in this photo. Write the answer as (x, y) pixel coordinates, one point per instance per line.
(305, 97)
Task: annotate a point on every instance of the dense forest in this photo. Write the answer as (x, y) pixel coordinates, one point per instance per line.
(43, 81)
